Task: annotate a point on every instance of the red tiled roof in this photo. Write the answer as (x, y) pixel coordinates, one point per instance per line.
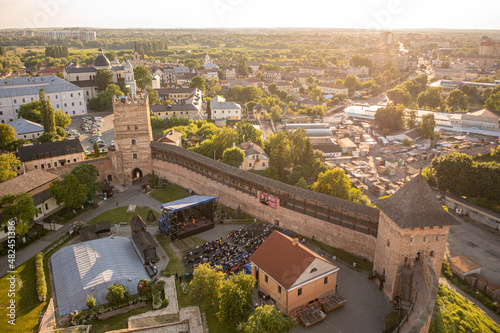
(282, 260)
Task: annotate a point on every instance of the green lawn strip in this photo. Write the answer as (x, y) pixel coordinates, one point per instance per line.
(120, 214)
(117, 322)
(348, 258)
(28, 308)
(454, 313)
(170, 193)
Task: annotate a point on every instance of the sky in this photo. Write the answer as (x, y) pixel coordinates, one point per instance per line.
(168, 14)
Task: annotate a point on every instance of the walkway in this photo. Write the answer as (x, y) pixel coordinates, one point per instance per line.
(422, 293)
(132, 195)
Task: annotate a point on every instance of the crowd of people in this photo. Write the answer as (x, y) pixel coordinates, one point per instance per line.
(231, 253)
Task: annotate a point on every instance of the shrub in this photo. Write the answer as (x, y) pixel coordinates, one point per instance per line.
(41, 284)
(445, 269)
(116, 294)
(238, 214)
(164, 303)
(143, 287)
(91, 302)
(158, 294)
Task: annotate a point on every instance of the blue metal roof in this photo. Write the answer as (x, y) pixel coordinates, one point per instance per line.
(188, 202)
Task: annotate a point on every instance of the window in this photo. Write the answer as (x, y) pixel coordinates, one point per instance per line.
(299, 292)
(134, 156)
(24, 100)
(69, 161)
(36, 167)
(73, 104)
(80, 103)
(48, 165)
(136, 127)
(55, 164)
(134, 142)
(79, 94)
(279, 289)
(46, 206)
(65, 105)
(313, 270)
(325, 280)
(74, 112)
(57, 105)
(249, 165)
(263, 164)
(266, 279)
(74, 160)
(57, 97)
(42, 166)
(412, 239)
(438, 238)
(425, 239)
(388, 243)
(431, 254)
(15, 101)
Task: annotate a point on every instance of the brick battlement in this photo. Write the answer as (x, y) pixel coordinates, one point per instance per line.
(139, 99)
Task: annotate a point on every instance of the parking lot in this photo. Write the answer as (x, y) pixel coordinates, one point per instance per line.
(107, 129)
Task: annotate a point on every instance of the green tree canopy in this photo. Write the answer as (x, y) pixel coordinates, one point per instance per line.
(247, 132)
(142, 77)
(208, 130)
(7, 137)
(153, 96)
(315, 94)
(233, 156)
(457, 100)
(103, 77)
(430, 98)
(280, 154)
(223, 140)
(8, 166)
(116, 294)
(198, 82)
(31, 111)
(399, 96)
(19, 208)
(47, 112)
(62, 119)
(86, 174)
(333, 182)
(268, 319)
(236, 298)
(70, 192)
(206, 282)
(493, 101)
(391, 117)
(426, 126)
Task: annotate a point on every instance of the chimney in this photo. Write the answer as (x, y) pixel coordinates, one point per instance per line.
(295, 241)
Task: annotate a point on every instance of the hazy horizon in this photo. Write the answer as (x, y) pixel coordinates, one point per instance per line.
(255, 14)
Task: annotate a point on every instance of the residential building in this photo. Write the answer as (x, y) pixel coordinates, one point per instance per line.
(84, 77)
(209, 63)
(260, 111)
(329, 88)
(358, 71)
(219, 108)
(284, 86)
(63, 95)
(347, 146)
(35, 183)
(229, 73)
(187, 110)
(49, 155)
(489, 48)
(291, 274)
(449, 85)
(272, 76)
(171, 137)
(178, 95)
(26, 129)
(400, 61)
(312, 70)
(255, 157)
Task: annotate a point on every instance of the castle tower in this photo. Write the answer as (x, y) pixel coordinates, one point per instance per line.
(132, 156)
(412, 225)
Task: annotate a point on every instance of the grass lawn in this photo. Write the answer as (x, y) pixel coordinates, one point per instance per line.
(170, 193)
(28, 308)
(454, 313)
(117, 322)
(120, 214)
(345, 256)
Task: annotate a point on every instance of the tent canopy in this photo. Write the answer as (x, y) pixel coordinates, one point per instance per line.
(188, 202)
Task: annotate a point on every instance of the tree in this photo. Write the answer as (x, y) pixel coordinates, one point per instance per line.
(235, 302)
(279, 154)
(31, 111)
(198, 82)
(8, 166)
(268, 319)
(7, 137)
(233, 156)
(453, 172)
(399, 96)
(431, 97)
(47, 112)
(391, 117)
(352, 81)
(62, 119)
(276, 114)
(103, 77)
(493, 102)
(106, 97)
(208, 130)
(223, 140)
(457, 100)
(20, 209)
(426, 126)
(142, 77)
(91, 302)
(207, 281)
(97, 153)
(333, 182)
(247, 132)
(411, 118)
(60, 74)
(273, 88)
(242, 67)
(87, 174)
(153, 96)
(315, 94)
(116, 294)
(70, 192)
(301, 183)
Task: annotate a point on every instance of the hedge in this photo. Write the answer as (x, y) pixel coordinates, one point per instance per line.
(158, 294)
(41, 284)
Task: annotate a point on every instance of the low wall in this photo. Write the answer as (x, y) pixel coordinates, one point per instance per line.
(116, 312)
(481, 215)
(423, 321)
(102, 164)
(359, 243)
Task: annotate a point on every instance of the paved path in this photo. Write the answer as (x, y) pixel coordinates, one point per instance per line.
(133, 195)
(488, 312)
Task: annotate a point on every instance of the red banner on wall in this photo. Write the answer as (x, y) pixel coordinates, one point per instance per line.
(268, 200)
